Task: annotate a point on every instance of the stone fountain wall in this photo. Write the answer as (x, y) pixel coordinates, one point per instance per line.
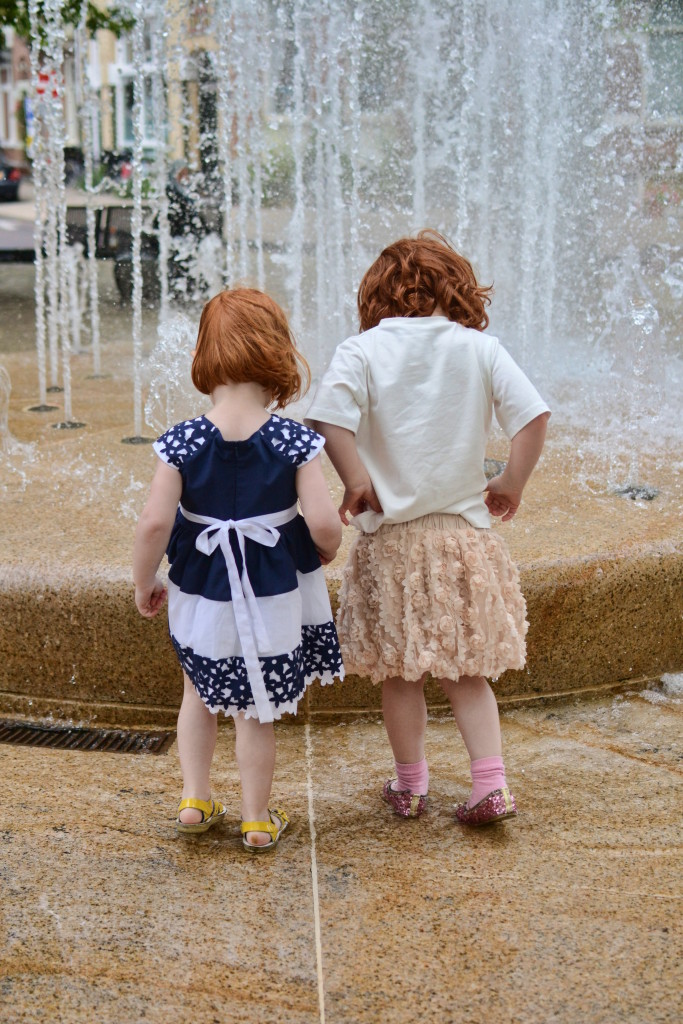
(603, 574)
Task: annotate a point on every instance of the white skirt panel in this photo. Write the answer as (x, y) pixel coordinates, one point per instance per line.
(208, 627)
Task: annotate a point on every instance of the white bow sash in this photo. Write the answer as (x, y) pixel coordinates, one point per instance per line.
(250, 627)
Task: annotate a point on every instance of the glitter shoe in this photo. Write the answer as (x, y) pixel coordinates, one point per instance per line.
(405, 803)
(497, 806)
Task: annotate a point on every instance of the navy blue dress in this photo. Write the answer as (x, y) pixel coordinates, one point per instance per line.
(248, 607)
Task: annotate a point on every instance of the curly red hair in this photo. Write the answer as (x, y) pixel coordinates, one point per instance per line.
(414, 276)
(244, 337)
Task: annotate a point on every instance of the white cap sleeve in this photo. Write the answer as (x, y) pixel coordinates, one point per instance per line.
(515, 399)
(342, 395)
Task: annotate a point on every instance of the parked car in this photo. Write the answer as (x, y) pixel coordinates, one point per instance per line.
(10, 176)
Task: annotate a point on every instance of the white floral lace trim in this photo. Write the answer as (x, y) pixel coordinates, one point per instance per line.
(288, 708)
(295, 441)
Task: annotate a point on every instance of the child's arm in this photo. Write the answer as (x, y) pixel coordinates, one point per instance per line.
(151, 538)
(504, 492)
(318, 509)
(359, 494)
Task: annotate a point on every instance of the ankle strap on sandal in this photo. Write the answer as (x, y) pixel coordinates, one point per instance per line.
(205, 806)
(259, 826)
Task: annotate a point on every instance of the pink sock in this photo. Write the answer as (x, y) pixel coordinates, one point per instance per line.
(414, 777)
(488, 773)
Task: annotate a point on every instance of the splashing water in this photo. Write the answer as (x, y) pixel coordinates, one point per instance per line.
(14, 455)
(171, 397)
(521, 129)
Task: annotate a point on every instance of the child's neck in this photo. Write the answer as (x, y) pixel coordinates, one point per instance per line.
(239, 410)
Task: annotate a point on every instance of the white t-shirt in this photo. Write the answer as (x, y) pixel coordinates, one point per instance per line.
(419, 393)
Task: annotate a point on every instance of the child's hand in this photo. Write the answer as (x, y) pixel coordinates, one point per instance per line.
(504, 492)
(358, 499)
(150, 599)
(326, 556)
(501, 499)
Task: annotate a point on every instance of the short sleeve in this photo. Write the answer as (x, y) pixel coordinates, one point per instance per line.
(182, 441)
(342, 395)
(515, 399)
(298, 443)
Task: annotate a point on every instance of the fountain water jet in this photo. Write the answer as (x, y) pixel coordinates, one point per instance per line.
(506, 149)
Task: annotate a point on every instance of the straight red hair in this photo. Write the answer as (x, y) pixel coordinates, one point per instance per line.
(412, 276)
(244, 337)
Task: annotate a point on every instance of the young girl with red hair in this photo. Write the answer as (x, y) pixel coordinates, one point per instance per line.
(249, 613)
(429, 589)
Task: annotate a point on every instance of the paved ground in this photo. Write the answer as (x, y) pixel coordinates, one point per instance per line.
(570, 913)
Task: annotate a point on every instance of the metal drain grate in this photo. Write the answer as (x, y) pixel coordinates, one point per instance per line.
(113, 741)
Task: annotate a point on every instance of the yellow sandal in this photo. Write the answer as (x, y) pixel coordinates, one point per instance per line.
(212, 811)
(265, 826)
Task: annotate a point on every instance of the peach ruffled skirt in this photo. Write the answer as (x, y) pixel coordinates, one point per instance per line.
(431, 595)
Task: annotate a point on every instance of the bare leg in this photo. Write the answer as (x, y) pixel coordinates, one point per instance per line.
(405, 718)
(476, 714)
(255, 753)
(197, 729)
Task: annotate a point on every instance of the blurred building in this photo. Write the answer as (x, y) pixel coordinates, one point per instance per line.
(643, 88)
(15, 81)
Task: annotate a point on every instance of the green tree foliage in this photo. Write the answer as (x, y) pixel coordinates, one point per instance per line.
(14, 14)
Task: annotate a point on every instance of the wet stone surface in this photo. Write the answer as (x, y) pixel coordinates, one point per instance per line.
(570, 913)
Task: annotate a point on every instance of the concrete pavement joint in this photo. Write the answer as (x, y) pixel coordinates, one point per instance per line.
(314, 874)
